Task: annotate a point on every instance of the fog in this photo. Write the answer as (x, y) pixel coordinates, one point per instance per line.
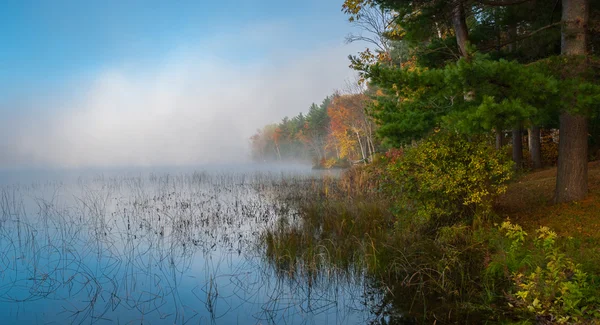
(191, 107)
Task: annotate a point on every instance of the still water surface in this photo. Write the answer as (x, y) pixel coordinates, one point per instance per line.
(160, 247)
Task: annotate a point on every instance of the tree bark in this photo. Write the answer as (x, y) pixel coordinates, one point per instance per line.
(459, 24)
(571, 177)
(517, 147)
(369, 152)
(535, 146)
(512, 36)
(372, 146)
(370, 139)
(362, 150)
(499, 139)
(575, 16)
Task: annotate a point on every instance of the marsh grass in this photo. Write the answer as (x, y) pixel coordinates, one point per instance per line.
(344, 227)
(434, 271)
(427, 272)
(176, 248)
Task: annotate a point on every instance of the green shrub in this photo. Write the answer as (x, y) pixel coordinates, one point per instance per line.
(448, 178)
(546, 283)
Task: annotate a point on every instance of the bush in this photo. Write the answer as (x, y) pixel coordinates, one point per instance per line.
(546, 283)
(447, 179)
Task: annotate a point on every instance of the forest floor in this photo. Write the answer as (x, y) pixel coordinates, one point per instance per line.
(528, 202)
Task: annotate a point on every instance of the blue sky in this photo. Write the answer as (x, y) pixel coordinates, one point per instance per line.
(76, 76)
(46, 42)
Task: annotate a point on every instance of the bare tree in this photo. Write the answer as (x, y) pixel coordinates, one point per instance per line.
(353, 86)
(373, 22)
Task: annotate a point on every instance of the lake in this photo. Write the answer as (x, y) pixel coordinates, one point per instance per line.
(180, 246)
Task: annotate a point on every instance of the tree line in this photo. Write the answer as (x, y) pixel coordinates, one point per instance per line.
(337, 132)
(473, 67)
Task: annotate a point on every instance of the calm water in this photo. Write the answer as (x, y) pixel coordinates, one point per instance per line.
(161, 247)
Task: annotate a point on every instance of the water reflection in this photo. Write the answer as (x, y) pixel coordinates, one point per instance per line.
(158, 249)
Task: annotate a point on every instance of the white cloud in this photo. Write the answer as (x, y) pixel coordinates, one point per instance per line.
(192, 108)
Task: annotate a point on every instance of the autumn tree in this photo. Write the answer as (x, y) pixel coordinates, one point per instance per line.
(351, 127)
(301, 137)
(264, 144)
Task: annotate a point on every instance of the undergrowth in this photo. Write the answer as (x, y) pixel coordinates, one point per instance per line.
(421, 223)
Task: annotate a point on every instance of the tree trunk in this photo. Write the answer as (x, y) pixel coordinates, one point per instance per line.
(499, 139)
(370, 139)
(571, 177)
(438, 30)
(369, 151)
(512, 36)
(368, 147)
(535, 146)
(517, 147)
(460, 27)
(575, 18)
(362, 150)
(277, 152)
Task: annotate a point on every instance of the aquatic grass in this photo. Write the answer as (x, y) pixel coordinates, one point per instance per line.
(348, 224)
(130, 245)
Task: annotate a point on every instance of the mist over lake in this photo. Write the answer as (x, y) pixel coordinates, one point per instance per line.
(379, 162)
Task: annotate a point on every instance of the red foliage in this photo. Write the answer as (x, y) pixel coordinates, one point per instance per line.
(394, 154)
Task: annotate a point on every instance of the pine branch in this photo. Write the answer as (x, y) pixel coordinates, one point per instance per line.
(502, 3)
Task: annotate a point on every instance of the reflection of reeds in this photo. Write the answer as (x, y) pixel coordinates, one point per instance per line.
(129, 246)
(328, 228)
(339, 228)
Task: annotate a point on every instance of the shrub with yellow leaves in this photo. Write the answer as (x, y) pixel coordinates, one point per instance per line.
(548, 283)
(449, 178)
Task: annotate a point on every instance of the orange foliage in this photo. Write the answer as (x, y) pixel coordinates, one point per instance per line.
(348, 123)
